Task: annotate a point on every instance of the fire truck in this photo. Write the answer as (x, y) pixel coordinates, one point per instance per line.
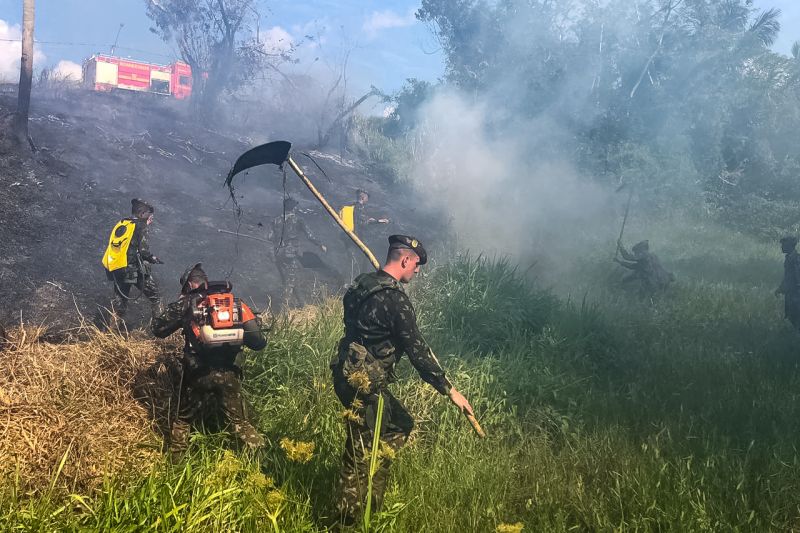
(108, 73)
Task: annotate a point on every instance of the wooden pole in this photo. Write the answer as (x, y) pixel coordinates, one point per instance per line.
(333, 213)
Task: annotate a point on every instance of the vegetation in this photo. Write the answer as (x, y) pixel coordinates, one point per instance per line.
(604, 412)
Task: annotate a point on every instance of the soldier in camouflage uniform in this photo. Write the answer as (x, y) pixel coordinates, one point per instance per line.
(362, 223)
(646, 267)
(790, 285)
(380, 326)
(211, 391)
(285, 233)
(138, 272)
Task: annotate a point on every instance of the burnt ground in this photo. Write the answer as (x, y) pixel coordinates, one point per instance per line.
(96, 152)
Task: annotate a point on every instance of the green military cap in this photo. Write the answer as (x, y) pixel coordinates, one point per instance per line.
(791, 240)
(141, 209)
(195, 270)
(409, 243)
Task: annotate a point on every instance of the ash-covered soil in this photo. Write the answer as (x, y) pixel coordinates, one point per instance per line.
(96, 152)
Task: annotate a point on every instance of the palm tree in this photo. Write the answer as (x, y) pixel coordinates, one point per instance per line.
(25, 71)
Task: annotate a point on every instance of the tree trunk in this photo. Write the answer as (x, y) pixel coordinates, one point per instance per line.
(25, 72)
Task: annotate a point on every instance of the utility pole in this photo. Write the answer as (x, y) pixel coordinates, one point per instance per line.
(25, 72)
(116, 39)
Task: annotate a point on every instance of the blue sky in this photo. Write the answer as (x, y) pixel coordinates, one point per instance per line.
(388, 45)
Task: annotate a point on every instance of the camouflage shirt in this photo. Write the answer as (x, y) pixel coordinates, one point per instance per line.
(378, 315)
(285, 231)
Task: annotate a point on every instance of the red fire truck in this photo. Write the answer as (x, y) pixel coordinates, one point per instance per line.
(107, 73)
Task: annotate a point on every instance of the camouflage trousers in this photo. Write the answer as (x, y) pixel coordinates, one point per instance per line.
(396, 426)
(122, 293)
(288, 265)
(211, 398)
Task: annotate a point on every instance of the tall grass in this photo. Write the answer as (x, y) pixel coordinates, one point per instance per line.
(603, 413)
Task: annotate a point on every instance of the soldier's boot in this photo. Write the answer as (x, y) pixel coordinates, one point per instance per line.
(352, 487)
(179, 439)
(150, 290)
(235, 411)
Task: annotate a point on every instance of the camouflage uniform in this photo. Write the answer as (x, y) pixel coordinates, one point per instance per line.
(380, 325)
(136, 274)
(211, 392)
(285, 233)
(790, 287)
(646, 269)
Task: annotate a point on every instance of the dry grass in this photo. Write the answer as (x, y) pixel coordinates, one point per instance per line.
(81, 411)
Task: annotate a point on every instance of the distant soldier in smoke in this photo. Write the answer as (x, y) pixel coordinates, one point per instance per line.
(128, 258)
(646, 268)
(362, 222)
(211, 390)
(285, 233)
(380, 326)
(790, 286)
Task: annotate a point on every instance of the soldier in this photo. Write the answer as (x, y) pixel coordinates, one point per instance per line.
(285, 233)
(646, 268)
(790, 286)
(361, 222)
(211, 390)
(137, 272)
(380, 325)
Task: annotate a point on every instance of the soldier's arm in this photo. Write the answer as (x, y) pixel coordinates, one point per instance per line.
(144, 248)
(409, 338)
(170, 321)
(625, 253)
(253, 338)
(630, 266)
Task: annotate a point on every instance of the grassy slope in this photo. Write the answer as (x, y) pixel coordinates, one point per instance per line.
(605, 414)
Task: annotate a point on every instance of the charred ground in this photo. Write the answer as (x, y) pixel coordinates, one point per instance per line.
(95, 152)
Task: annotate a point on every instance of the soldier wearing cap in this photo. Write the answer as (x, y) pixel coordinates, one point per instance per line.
(211, 390)
(380, 326)
(138, 272)
(285, 233)
(364, 227)
(646, 267)
(790, 286)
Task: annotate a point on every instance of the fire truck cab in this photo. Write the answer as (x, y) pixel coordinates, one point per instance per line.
(107, 73)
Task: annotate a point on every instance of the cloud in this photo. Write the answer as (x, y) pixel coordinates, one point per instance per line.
(67, 70)
(277, 40)
(10, 52)
(384, 20)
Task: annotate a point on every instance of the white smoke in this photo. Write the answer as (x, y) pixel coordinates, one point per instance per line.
(498, 194)
(10, 52)
(68, 71)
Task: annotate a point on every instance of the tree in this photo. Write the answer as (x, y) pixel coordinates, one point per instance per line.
(25, 72)
(216, 38)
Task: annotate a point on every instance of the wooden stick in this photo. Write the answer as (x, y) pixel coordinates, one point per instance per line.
(243, 235)
(333, 213)
(475, 425)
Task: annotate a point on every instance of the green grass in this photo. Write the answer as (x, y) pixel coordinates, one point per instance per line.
(603, 413)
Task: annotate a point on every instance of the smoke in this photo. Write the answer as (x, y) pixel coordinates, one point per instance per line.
(68, 71)
(499, 191)
(11, 50)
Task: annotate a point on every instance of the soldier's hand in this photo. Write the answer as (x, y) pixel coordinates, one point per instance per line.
(157, 261)
(777, 292)
(461, 402)
(383, 220)
(324, 248)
